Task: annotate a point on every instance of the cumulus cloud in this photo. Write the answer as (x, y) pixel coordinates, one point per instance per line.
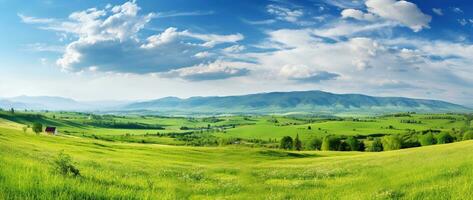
(358, 14)
(211, 71)
(109, 40)
(368, 64)
(404, 12)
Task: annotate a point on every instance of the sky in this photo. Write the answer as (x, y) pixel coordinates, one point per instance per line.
(146, 49)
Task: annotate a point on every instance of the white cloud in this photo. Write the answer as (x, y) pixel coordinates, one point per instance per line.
(211, 71)
(343, 29)
(437, 11)
(358, 14)
(182, 14)
(404, 12)
(465, 22)
(203, 54)
(457, 10)
(234, 49)
(371, 65)
(303, 73)
(41, 47)
(34, 20)
(285, 14)
(109, 40)
(259, 22)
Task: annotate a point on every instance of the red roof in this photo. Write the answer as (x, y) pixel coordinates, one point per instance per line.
(50, 129)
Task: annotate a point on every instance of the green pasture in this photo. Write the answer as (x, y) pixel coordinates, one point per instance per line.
(120, 170)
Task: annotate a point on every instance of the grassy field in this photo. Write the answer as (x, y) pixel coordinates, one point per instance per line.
(115, 164)
(143, 128)
(111, 170)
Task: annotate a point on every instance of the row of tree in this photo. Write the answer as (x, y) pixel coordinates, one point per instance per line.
(372, 144)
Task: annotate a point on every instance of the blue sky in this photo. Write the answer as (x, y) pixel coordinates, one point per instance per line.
(124, 50)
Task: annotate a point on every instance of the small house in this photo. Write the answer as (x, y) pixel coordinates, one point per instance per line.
(51, 130)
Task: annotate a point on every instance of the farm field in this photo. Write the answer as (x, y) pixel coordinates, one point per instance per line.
(267, 129)
(111, 170)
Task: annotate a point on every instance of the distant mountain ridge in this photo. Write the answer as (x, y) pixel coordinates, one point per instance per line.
(316, 102)
(299, 101)
(57, 104)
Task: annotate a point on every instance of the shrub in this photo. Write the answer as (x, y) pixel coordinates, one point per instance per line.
(286, 142)
(297, 143)
(64, 165)
(37, 128)
(315, 144)
(409, 140)
(444, 138)
(361, 146)
(375, 146)
(343, 146)
(468, 135)
(391, 142)
(330, 143)
(427, 139)
(353, 143)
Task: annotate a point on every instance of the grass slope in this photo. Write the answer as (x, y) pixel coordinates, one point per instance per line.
(144, 171)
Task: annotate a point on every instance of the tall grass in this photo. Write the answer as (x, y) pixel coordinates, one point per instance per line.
(143, 171)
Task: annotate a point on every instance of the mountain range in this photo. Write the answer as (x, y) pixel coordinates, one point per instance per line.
(262, 103)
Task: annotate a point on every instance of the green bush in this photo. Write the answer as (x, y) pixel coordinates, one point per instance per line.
(64, 165)
(391, 142)
(286, 143)
(315, 144)
(297, 143)
(37, 128)
(409, 140)
(427, 139)
(374, 146)
(444, 138)
(353, 143)
(468, 135)
(331, 143)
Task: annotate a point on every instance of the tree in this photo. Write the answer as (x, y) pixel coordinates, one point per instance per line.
(286, 143)
(353, 143)
(309, 128)
(427, 139)
(361, 147)
(297, 143)
(444, 138)
(315, 144)
(330, 143)
(25, 128)
(37, 128)
(12, 110)
(391, 142)
(376, 146)
(468, 135)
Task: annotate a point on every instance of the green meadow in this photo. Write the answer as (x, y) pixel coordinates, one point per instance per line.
(152, 157)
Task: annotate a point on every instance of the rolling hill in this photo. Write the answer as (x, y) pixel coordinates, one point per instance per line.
(57, 104)
(313, 102)
(303, 101)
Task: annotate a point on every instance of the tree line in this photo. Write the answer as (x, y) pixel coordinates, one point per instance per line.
(373, 144)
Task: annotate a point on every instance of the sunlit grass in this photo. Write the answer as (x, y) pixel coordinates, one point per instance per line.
(115, 170)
